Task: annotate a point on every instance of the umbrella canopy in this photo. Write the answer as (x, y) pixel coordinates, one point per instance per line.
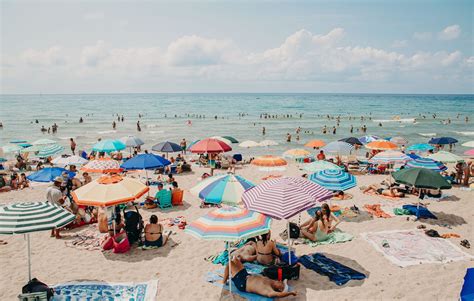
(381, 145)
(420, 147)
(468, 144)
(413, 156)
(109, 146)
(315, 143)
(24, 144)
(443, 140)
(249, 143)
(367, 139)
(389, 157)
(35, 148)
(229, 224)
(109, 191)
(445, 157)
(71, 160)
(231, 139)
(296, 153)
(166, 147)
(48, 174)
(18, 141)
(399, 140)
(145, 161)
(421, 178)
(11, 148)
(44, 142)
(334, 179)
(284, 197)
(210, 145)
(225, 188)
(427, 164)
(104, 165)
(131, 141)
(469, 152)
(320, 165)
(50, 150)
(268, 143)
(269, 162)
(338, 148)
(226, 141)
(351, 140)
(192, 143)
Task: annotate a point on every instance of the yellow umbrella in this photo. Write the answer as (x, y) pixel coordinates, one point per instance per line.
(296, 153)
(109, 190)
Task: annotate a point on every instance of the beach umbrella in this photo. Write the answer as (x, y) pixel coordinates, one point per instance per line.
(109, 190)
(226, 141)
(381, 145)
(166, 147)
(108, 146)
(469, 152)
(320, 165)
(11, 148)
(24, 145)
(192, 143)
(35, 148)
(268, 143)
(44, 142)
(336, 180)
(249, 143)
(413, 156)
(420, 147)
(103, 165)
(338, 148)
(443, 140)
(17, 141)
(468, 144)
(421, 178)
(426, 163)
(351, 141)
(389, 157)
(467, 291)
(144, 162)
(131, 141)
(296, 153)
(269, 163)
(210, 145)
(369, 138)
(231, 139)
(229, 224)
(48, 174)
(224, 188)
(50, 150)
(445, 157)
(24, 218)
(399, 140)
(70, 160)
(315, 143)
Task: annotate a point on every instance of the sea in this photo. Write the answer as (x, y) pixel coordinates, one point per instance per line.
(172, 117)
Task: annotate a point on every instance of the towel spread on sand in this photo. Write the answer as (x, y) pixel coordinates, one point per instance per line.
(337, 236)
(412, 247)
(337, 272)
(376, 211)
(88, 239)
(99, 291)
(420, 212)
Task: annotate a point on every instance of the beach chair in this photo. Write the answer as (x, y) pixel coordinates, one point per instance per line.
(164, 199)
(177, 197)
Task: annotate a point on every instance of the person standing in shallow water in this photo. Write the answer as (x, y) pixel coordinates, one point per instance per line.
(138, 126)
(263, 130)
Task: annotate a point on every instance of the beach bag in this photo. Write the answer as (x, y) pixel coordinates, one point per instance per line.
(36, 286)
(294, 231)
(282, 271)
(121, 243)
(108, 243)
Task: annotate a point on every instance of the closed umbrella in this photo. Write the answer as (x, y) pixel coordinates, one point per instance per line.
(420, 147)
(315, 143)
(351, 140)
(268, 143)
(269, 163)
(103, 165)
(443, 140)
(320, 165)
(249, 143)
(70, 160)
(426, 163)
(48, 174)
(389, 157)
(166, 147)
(24, 218)
(225, 188)
(445, 157)
(339, 148)
(109, 146)
(209, 146)
(50, 150)
(381, 145)
(336, 180)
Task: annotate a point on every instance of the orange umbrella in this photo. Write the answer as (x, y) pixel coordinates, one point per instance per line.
(315, 143)
(269, 162)
(381, 145)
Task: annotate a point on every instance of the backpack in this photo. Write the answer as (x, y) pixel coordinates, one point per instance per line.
(294, 231)
(36, 286)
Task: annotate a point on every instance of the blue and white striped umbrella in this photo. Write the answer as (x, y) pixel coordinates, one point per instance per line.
(225, 188)
(420, 147)
(427, 163)
(389, 157)
(338, 148)
(50, 150)
(368, 139)
(334, 179)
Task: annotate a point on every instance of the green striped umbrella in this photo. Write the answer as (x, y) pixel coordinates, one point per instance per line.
(23, 218)
(50, 150)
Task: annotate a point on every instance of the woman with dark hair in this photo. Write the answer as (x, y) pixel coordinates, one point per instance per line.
(329, 218)
(154, 233)
(267, 251)
(315, 229)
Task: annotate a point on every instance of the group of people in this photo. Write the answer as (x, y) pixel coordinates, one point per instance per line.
(13, 182)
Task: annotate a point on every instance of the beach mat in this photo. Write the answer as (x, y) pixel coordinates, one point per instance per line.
(88, 239)
(100, 291)
(335, 237)
(420, 212)
(413, 247)
(337, 272)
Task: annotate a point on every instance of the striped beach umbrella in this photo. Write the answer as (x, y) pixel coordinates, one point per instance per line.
(381, 145)
(35, 148)
(389, 157)
(48, 174)
(24, 218)
(226, 141)
(369, 138)
(320, 165)
(339, 148)
(296, 153)
(315, 143)
(231, 139)
(268, 143)
(445, 157)
(336, 180)
(225, 188)
(420, 147)
(426, 163)
(108, 146)
(249, 143)
(11, 148)
(269, 163)
(109, 191)
(50, 150)
(104, 165)
(70, 160)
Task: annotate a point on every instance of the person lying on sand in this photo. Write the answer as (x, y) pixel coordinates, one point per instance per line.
(391, 192)
(267, 251)
(154, 233)
(247, 252)
(256, 284)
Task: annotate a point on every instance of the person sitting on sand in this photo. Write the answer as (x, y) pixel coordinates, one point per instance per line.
(267, 251)
(390, 192)
(329, 218)
(321, 156)
(315, 229)
(256, 284)
(23, 181)
(154, 233)
(170, 179)
(4, 187)
(87, 178)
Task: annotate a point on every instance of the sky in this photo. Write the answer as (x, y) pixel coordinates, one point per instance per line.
(224, 46)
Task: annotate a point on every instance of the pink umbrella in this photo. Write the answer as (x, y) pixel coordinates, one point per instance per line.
(209, 146)
(470, 152)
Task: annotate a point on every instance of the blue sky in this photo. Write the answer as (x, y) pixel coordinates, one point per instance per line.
(237, 46)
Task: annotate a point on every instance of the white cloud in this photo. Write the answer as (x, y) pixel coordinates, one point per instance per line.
(52, 56)
(450, 33)
(94, 16)
(399, 44)
(422, 36)
(93, 55)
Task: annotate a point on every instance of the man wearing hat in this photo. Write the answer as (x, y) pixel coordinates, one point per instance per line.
(54, 195)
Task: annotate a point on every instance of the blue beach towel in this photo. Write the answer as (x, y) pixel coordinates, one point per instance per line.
(420, 212)
(467, 291)
(337, 273)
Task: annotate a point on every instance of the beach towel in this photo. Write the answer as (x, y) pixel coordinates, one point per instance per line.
(337, 272)
(337, 236)
(421, 212)
(99, 291)
(401, 211)
(376, 211)
(88, 239)
(467, 291)
(412, 247)
(223, 258)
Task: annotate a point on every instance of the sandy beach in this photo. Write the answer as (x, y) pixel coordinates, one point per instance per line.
(180, 266)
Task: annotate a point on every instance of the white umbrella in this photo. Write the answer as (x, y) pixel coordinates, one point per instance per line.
(71, 160)
(249, 143)
(468, 144)
(132, 141)
(268, 143)
(338, 148)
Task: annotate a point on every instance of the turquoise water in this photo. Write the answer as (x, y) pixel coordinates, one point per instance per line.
(17, 112)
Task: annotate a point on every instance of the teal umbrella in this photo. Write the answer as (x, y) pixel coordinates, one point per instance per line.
(50, 150)
(109, 146)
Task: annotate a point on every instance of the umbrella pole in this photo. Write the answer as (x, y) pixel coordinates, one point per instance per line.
(230, 273)
(29, 257)
(289, 240)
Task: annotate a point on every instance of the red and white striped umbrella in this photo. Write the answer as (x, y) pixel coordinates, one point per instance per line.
(285, 197)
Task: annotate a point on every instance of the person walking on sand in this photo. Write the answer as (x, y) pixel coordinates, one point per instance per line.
(73, 146)
(114, 125)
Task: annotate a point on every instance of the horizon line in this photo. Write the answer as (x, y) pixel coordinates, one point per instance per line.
(262, 93)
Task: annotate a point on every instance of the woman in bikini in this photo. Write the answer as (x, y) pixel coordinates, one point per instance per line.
(154, 233)
(267, 251)
(329, 218)
(315, 229)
